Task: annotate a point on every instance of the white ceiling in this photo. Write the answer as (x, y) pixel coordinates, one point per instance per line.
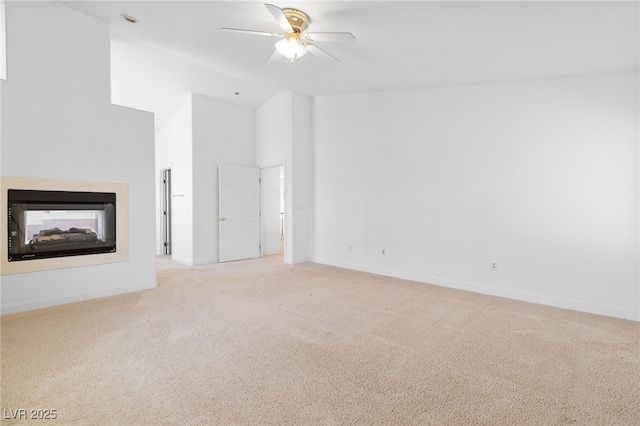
(178, 46)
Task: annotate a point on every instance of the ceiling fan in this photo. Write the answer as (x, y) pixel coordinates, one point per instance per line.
(295, 41)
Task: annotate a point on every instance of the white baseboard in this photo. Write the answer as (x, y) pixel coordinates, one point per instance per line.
(46, 302)
(482, 288)
(543, 299)
(193, 262)
(184, 261)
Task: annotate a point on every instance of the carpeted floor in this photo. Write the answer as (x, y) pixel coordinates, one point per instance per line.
(262, 343)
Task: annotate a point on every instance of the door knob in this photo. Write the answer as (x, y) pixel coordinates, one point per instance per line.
(223, 218)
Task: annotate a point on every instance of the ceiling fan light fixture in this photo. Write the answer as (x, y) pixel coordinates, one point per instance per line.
(291, 48)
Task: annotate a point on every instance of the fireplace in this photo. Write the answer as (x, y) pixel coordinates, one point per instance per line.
(48, 224)
(89, 207)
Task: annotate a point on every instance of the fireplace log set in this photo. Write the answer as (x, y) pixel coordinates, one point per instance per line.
(56, 236)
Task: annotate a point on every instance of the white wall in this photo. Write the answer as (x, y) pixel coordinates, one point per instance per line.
(174, 151)
(58, 123)
(273, 130)
(540, 177)
(300, 185)
(283, 136)
(223, 133)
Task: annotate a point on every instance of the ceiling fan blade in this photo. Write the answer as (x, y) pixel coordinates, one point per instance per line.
(254, 32)
(279, 16)
(330, 36)
(319, 52)
(275, 57)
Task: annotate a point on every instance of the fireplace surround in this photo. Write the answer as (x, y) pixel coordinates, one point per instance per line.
(52, 224)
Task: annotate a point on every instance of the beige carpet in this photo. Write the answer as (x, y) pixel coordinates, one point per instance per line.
(260, 342)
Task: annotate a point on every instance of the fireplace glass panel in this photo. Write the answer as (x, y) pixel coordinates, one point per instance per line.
(44, 224)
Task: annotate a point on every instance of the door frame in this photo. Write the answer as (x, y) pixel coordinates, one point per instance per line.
(165, 209)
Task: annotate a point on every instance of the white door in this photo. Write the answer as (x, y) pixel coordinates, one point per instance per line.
(239, 212)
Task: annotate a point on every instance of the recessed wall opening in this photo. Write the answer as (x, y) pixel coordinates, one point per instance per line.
(46, 224)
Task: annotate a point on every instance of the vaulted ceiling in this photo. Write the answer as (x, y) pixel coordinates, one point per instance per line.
(178, 46)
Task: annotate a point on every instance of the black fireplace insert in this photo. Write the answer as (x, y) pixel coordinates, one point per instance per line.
(45, 224)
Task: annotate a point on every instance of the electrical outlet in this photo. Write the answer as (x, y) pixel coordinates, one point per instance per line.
(494, 266)
(383, 252)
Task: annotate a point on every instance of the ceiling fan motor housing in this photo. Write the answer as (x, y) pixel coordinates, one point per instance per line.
(299, 20)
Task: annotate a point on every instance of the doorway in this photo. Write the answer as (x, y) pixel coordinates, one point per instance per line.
(272, 206)
(166, 211)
